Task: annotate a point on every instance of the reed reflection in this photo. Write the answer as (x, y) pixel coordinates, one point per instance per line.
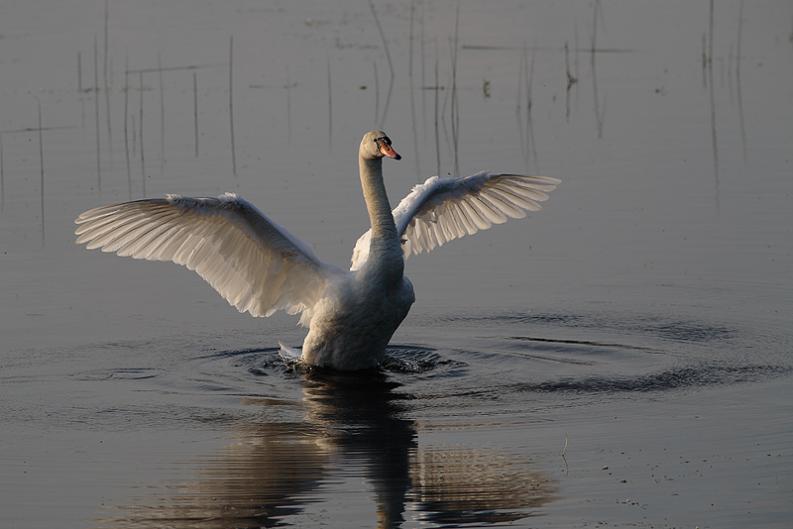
(455, 486)
(274, 470)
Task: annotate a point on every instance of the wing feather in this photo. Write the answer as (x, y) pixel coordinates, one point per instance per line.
(255, 264)
(444, 209)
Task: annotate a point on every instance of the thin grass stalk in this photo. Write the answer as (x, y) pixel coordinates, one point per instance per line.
(330, 109)
(413, 93)
(126, 127)
(195, 112)
(41, 166)
(161, 83)
(437, 132)
(140, 137)
(106, 78)
(231, 105)
(388, 59)
(96, 116)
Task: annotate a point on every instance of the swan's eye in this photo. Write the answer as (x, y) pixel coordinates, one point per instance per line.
(384, 139)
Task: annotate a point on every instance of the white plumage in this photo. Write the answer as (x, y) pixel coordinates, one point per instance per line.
(443, 209)
(259, 267)
(256, 265)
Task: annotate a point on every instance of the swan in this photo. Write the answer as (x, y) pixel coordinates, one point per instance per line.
(260, 268)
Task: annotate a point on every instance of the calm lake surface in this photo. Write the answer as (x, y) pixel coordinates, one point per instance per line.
(621, 359)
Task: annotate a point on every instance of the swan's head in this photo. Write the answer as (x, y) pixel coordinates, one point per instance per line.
(376, 144)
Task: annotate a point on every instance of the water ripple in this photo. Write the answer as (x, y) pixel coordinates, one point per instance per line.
(682, 377)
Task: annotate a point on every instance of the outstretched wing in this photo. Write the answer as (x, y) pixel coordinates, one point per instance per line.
(254, 263)
(444, 209)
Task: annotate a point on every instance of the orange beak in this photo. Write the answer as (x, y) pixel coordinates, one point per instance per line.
(387, 150)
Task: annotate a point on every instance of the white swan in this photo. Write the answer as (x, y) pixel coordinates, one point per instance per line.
(258, 267)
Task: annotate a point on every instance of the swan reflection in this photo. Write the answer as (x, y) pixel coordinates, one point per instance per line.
(273, 471)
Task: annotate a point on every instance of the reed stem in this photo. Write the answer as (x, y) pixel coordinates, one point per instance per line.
(231, 105)
(96, 116)
(195, 112)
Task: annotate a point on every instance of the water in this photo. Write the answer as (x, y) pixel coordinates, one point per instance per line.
(622, 358)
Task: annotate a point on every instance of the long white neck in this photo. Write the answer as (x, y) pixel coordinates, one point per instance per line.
(374, 194)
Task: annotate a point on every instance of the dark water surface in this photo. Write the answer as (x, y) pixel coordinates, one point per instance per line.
(621, 359)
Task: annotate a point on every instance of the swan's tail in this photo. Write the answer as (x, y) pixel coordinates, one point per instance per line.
(290, 355)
